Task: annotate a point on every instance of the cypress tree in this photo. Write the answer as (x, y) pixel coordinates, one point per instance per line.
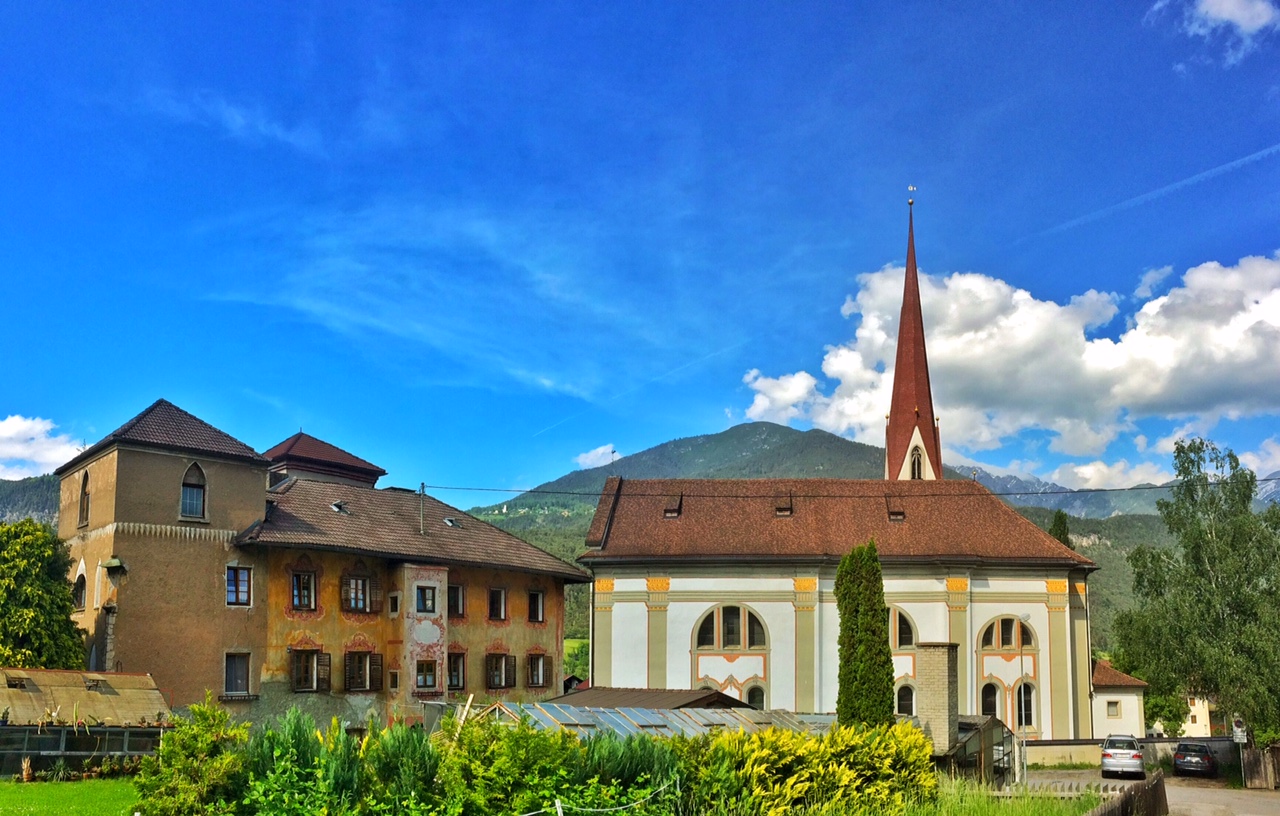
(1059, 530)
(848, 599)
(873, 684)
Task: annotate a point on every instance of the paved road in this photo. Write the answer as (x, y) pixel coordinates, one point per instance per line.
(1187, 796)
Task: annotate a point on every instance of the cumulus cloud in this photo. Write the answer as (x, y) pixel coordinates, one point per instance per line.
(1264, 461)
(1003, 361)
(1151, 279)
(596, 457)
(1099, 475)
(29, 447)
(1240, 21)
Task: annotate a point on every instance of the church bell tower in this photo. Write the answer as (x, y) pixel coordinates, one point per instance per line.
(912, 448)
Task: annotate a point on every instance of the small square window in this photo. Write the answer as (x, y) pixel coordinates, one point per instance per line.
(237, 679)
(426, 598)
(239, 586)
(426, 674)
(497, 604)
(304, 591)
(393, 604)
(393, 680)
(1193, 719)
(457, 601)
(537, 606)
(1113, 708)
(457, 671)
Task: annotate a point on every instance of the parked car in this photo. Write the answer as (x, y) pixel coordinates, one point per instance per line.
(1122, 755)
(1194, 758)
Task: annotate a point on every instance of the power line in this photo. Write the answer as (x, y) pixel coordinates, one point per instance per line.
(774, 494)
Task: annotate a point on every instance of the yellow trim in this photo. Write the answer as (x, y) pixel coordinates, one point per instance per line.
(805, 584)
(957, 585)
(1056, 586)
(604, 585)
(651, 584)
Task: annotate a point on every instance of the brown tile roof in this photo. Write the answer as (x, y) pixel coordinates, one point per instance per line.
(604, 697)
(385, 523)
(166, 426)
(1107, 676)
(308, 448)
(954, 521)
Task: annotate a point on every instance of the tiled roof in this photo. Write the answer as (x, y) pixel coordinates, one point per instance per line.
(307, 447)
(165, 425)
(385, 523)
(605, 697)
(954, 521)
(1107, 676)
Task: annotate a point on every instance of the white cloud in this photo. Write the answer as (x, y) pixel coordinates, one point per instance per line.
(1264, 461)
(1240, 21)
(239, 122)
(1003, 362)
(1150, 279)
(596, 457)
(28, 447)
(1102, 475)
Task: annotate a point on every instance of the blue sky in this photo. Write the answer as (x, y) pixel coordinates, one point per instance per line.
(475, 243)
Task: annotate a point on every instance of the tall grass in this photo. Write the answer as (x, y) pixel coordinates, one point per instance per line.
(959, 797)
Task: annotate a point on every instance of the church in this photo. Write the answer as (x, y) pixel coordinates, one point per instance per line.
(729, 584)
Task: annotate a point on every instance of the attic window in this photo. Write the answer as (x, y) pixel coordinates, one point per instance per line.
(675, 504)
(452, 522)
(782, 505)
(340, 507)
(897, 515)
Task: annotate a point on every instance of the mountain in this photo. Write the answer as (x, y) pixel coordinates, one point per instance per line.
(35, 497)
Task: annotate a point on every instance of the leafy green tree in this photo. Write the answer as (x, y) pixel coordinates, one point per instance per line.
(199, 767)
(1170, 710)
(1209, 607)
(36, 630)
(578, 660)
(1059, 528)
(865, 690)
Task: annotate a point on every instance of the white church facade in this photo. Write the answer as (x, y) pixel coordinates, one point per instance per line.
(729, 584)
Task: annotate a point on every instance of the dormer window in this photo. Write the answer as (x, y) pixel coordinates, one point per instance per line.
(675, 504)
(917, 464)
(84, 499)
(193, 484)
(782, 505)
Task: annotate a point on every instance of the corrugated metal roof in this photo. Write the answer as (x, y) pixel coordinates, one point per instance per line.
(585, 721)
(107, 698)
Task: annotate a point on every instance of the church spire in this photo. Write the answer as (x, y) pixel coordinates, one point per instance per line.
(912, 447)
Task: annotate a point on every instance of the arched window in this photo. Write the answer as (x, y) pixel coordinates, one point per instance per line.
(917, 464)
(1008, 633)
(1026, 698)
(906, 635)
(755, 697)
(84, 499)
(906, 701)
(78, 593)
(990, 700)
(728, 634)
(193, 485)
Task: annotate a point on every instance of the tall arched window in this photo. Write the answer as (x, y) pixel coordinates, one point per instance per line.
(902, 634)
(906, 701)
(78, 593)
(990, 700)
(1026, 698)
(193, 485)
(917, 464)
(84, 499)
(755, 697)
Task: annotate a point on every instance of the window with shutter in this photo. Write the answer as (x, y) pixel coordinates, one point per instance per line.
(375, 594)
(375, 672)
(509, 675)
(303, 668)
(323, 669)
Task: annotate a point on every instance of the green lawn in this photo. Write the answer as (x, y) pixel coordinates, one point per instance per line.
(92, 797)
(571, 643)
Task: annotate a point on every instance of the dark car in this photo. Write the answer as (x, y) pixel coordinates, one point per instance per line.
(1194, 758)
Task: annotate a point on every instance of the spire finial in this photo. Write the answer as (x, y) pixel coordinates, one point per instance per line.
(911, 188)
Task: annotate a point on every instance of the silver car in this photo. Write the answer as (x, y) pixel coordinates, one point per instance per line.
(1122, 755)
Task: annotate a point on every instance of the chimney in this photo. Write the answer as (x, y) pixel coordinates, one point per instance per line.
(938, 694)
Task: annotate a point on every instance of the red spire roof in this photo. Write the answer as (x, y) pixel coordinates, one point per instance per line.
(912, 405)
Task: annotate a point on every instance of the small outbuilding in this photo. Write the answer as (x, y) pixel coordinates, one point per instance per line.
(55, 697)
(1117, 702)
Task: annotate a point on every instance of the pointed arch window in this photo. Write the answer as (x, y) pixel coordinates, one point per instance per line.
(84, 499)
(917, 464)
(78, 592)
(193, 492)
(902, 633)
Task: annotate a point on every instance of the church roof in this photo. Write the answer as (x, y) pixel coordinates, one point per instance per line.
(714, 520)
(912, 402)
(304, 447)
(306, 514)
(166, 426)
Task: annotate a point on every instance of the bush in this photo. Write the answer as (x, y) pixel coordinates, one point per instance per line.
(199, 768)
(401, 764)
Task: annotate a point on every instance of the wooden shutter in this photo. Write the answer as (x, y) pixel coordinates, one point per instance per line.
(348, 671)
(346, 593)
(375, 672)
(323, 670)
(375, 593)
(293, 670)
(547, 663)
(509, 677)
